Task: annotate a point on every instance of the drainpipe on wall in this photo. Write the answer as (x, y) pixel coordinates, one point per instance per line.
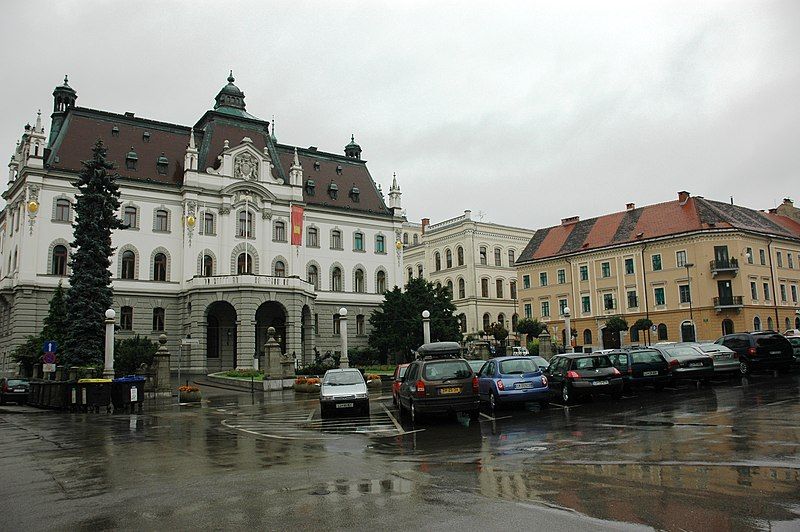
(772, 278)
(646, 302)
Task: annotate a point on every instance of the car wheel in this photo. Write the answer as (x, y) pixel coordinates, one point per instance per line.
(744, 368)
(365, 410)
(566, 396)
(2, 400)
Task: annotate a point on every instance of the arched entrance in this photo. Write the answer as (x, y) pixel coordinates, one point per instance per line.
(306, 336)
(270, 314)
(687, 332)
(220, 336)
(727, 326)
(611, 339)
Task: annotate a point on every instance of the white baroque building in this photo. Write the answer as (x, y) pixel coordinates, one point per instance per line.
(208, 252)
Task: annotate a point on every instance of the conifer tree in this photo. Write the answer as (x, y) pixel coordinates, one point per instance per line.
(55, 323)
(90, 293)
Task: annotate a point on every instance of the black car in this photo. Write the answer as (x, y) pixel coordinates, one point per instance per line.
(760, 350)
(575, 375)
(641, 367)
(438, 386)
(687, 362)
(14, 390)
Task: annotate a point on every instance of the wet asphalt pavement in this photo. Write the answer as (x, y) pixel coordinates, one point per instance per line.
(714, 458)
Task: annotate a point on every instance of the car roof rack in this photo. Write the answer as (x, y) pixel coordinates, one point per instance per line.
(435, 350)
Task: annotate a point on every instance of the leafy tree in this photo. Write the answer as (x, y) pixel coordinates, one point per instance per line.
(28, 354)
(531, 327)
(497, 330)
(131, 353)
(616, 324)
(90, 293)
(55, 323)
(642, 324)
(397, 323)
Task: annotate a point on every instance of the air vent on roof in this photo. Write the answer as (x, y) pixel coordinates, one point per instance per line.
(162, 164)
(146, 136)
(570, 220)
(339, 169)
(310, 187)
(312, 148)
(129, 114)
(630, 206)
(333, 190)
(355, 194)
(115, 131)
(316, 165)
(130, 159)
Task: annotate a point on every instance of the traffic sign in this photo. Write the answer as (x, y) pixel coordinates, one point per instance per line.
(654, 327)
(50, 346)
(49, 358)
(49, 368)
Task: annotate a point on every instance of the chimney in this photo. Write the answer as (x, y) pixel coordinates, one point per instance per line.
(788, 209)
(425, 223)
(630, 206)
(468, 214)
(683, 197)
(570, 220)
(788, 202)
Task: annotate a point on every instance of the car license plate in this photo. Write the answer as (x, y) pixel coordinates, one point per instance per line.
(447, 391)
(696, 365)
(649, 373)
(774, 352)
(344, 405)
(523, 385)
(599, 383)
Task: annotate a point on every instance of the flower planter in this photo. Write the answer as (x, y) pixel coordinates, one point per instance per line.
(190, 397)
(376, 383)
(306, 388)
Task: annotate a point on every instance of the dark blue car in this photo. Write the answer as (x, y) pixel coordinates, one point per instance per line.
(512, 380)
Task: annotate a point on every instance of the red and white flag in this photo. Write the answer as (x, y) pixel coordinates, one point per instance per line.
(297, 225)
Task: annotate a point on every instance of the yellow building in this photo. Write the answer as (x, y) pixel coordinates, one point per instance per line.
(696, 268)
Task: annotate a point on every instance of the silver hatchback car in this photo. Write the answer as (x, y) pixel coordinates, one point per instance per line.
(343, 389)
(726, 360)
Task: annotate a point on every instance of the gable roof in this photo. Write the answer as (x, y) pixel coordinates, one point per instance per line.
(653, 221)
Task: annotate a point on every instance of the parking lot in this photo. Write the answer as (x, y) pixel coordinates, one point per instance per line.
(689, 458)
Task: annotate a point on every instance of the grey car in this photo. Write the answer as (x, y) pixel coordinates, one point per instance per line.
(342, 390)
(726, 360)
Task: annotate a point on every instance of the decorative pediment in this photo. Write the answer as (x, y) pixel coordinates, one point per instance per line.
(246, 162)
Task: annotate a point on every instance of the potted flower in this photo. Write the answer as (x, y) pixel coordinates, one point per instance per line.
(189, 394)
(373, 380)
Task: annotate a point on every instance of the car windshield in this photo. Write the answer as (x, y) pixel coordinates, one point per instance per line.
(682, 351)
(343, 378)
(452, 369)
(650, 356)
(517, 366)
(540, 361)
(714, 348)
(593, 362)
(772, 340)
(17, 382)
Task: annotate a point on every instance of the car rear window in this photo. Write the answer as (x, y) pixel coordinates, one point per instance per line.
(646, 357)
(794, 341)
(593, 362)
(773, 340)
(683, 351)
(517, 366)
(451, 369)
(16, 382)
(402, 371)
(344, 378)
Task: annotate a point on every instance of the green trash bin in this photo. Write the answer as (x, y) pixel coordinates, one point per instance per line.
(95, 394)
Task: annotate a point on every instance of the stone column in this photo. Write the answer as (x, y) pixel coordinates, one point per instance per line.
(161, 363)
(245, 342)
(272, 356)
(108, 366)
(344, 362)
(426, 326)
(545, 345)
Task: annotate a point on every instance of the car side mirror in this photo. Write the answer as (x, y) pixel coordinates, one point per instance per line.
(401, 379)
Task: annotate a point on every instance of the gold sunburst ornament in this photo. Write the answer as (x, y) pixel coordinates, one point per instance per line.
(398, 245)
(33, 206)
(190, 220)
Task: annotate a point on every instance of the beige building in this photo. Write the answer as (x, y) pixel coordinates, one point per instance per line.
(475, 260)
(696, 268)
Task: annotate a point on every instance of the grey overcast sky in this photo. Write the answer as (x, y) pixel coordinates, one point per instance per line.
(528, 112)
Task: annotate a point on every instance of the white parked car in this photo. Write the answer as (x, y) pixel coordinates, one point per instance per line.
(343, 389)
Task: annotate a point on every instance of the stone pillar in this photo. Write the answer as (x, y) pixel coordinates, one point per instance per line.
(344, 362)
(426, 327)
(161, 363)
(108, 366)
(272, 356)
(246, 342)
(545, 345)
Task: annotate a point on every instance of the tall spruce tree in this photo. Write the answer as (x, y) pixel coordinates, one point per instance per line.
(55, 323)
(90, 294)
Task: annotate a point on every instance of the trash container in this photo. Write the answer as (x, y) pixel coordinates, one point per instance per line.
(95, 393)
(74, 396)
(35, 393)
(127, 392)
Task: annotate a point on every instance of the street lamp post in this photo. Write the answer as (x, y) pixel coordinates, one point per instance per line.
(108, 365)
(567, 331)
(344, 362)
(691, 316)
(426, 326)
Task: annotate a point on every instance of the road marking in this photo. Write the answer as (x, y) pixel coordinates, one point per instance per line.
(310, 416)
(272, 436)
(489, 418)
(396, 423)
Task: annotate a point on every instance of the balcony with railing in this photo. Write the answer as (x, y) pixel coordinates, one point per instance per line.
(720, 266)
(728, 302)
(249, 280)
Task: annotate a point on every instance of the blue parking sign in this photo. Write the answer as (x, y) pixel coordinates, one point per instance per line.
(49, 346)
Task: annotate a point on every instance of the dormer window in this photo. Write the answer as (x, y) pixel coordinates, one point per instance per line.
(339, 169)
(146, 136)
(355, 194)
(162, 164)
(316, 166)
(130, 159)
(333, 190)
(310, 187)
(115, 131)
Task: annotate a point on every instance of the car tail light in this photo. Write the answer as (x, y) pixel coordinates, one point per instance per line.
(420, 388)
(544, 380)
(5, 386)
(751, 351)
(474, 384)
(674, 363)
(500, 385)
(615, 372)
(573, 375)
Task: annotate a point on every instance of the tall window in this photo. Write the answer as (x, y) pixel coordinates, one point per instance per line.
(562, 305)
(584, 272)
(410, 274)
(790, 260)
(126, 318)
(484, 287)
(633, 299)
(360, 325)
(63, 210)
(358, 241)
(245, 229)
(448, 258)
(662, 332)
(313, 276)
(497, 257)
(605, 269)
(59, 260)
(685, 294)
(208, 224)
(279, 231)
(160, 267)
(130, 217)
(482, 252)
(244, 264)
(608, 302)
(280, 269)
(656, 263)
(462, 289)
(660, 298)
(405, 238)
(526, 281)
(765, 286)
(336, 239)
(545, 309)
(208, 266)
(587, 337)
(543, 279)
(416, 239)
(749, 255)
(783, 293)
(450, 287)
(513, 289)
(629, 266)
(336, 280)
(779, 257)
(380, 282)
(562, 276)
(312, 237)
(336, 325)
(162, 218)
(359, 281)
(437, 262)
(680, 259)
(419, 271)
(128, 264)
(487, 321)
(460, 256)
(380, 244)
(499, 287)
(762, 256)
(511, 257)
(753, 290)
(158, 319)
(756, 323)
(793, 289)
(528, 310)
(586, 304)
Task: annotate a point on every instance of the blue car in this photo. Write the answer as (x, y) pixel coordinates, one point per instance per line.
(512, 380)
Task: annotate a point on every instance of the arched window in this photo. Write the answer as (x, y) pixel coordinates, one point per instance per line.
(405, 238)
(161, 221)
(128, 264)
(498, 257)
(208, 265)
(487, 321)
(727, 327)
(63, 208)
(587, 337)
(410, 274)
(514, 321)
(501, 319)
(662, 332)
(448, 258)
(158, 319)
(687, 332)
(358, 241)
(279, 231)
(245, 225)
(634, 334)
(59, 260)
(450, 287)
(419, 271)
(462, 290)
(756, 323)
(130, 217)
(313, 276)
(244, 264)
(208, 224)
(160, 267)
(769, 324)
(788, 323)
(312, 237)
(336, 280)
(336, 239)
(460, 256)
(416, 239)
(511, 257)
(462, 323)
(380, 282)
(797, 323)
(482, 253)
(359, 281)
(437, 261)
(280, 269)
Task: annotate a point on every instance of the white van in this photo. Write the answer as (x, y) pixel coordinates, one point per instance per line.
(517, 351)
